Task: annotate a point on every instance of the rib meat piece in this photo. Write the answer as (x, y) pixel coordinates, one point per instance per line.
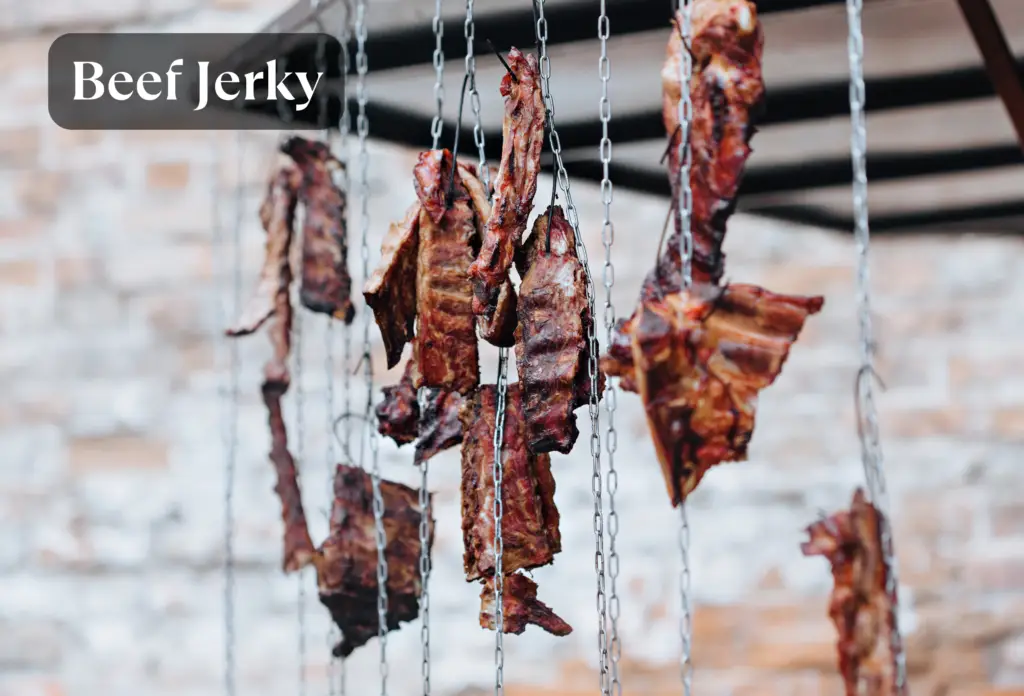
(530, 520)
(520, 607)
(398, 414)
(277, 214)
(861, 607)
(346, 563)
(699, 360)
(727, 93)
(446, 345)
(298, 547)
(391, 290)
(326, 283)
(551, 341)
(516, 183)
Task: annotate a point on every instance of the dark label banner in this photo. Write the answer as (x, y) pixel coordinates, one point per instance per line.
(192, 81)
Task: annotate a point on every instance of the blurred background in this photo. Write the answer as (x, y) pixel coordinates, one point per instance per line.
(116, 281)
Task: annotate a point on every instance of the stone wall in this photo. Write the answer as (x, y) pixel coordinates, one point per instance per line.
(113, 291)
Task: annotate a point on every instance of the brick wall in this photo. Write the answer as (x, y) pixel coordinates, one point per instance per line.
(112, 436)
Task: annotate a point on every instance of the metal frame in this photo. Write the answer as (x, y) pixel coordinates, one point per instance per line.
(572, 21)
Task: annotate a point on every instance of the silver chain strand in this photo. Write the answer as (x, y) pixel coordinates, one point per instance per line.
(594, 408)
(498, 474)
(871, 448)
(425, 511)
(363, 131)
(437, 125)
(685, 211)
(300, 459)
(610, 392)
(469, 29)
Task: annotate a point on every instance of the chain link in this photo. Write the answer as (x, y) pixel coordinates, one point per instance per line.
(610, 393)
(425, 511)
(594, 350)
(871, 448)
(499, 511)
(363, 132)
(437, 125)
(469, 29)
(300, 460)
(684, 213)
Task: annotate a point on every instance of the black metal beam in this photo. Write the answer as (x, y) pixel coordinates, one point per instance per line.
(837, 171)
(568, 22)
(926, 222)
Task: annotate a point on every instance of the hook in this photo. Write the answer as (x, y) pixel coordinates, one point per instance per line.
(866, 371)
(344, 444)
(455, 147)
(503, 61)
(551, 207)
(671, 143)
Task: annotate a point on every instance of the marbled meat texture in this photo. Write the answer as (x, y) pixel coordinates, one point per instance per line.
(446, 350)
(699, 360)
(530, 521)
(326, 284)
(861, 607)
(398, 413)
(520, 607)
(516, 184)
(346, 563)
(551, 341)
(727, 93)
(277, 214)
(391, 290)
(298, 548)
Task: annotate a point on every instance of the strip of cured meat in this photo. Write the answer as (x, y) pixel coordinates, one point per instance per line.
(727, 93)
(446, 351)
(529, 528)
(520, 607)
(551, 341)
(699, 360)
(326, 283)
(516, 183)
(277, 214)
(346, 563)
(298, 547)
(861, 607)
(398, 413)
(391, 290)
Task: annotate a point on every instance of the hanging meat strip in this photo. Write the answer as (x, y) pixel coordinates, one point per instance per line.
(520, 607)
(862, 608)
(326, 283)
(398, 413)
(699, 360)
(551, 341)
(346, 563)
(516, 183)
(277, 214)
(391, 290)
(446, 349)
(727, 94)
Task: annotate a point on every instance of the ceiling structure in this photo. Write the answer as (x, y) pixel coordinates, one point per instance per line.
(942, 148)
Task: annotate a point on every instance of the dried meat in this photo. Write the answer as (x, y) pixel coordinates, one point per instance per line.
(520, 607)
(391, 290)
(398, 413)
(326, 284)
(516, 183)
(861, 607)
(346, 563)
(530, 531)
(699, 360)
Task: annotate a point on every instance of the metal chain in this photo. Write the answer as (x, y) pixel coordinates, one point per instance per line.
(425, 511)
(871, 448)
(469, 29)
(684, 207)
(499, 511)
(610, 392)
(300, 459)
(595, 413)
(437, 125)
(363, 132)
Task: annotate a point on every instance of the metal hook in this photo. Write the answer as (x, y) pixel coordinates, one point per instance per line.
(455, 147)
(344, 443)
(503, 61)
(865, 372)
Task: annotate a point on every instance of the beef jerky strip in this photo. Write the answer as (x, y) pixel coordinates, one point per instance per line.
(516, 183)
(861, 607)
(398, 413)
(529, 528)
(326, 283)
(520, 607)
(551, 340)
(700, 360)
(727, 93)
(277, 214)
(346, 562)
(445, 350)
(391, 290)
(298, 548)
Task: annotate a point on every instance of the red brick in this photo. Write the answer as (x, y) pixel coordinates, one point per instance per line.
(19, 147)
(1008, 423)
(116, 453)
(168, 176)
(20, 273)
